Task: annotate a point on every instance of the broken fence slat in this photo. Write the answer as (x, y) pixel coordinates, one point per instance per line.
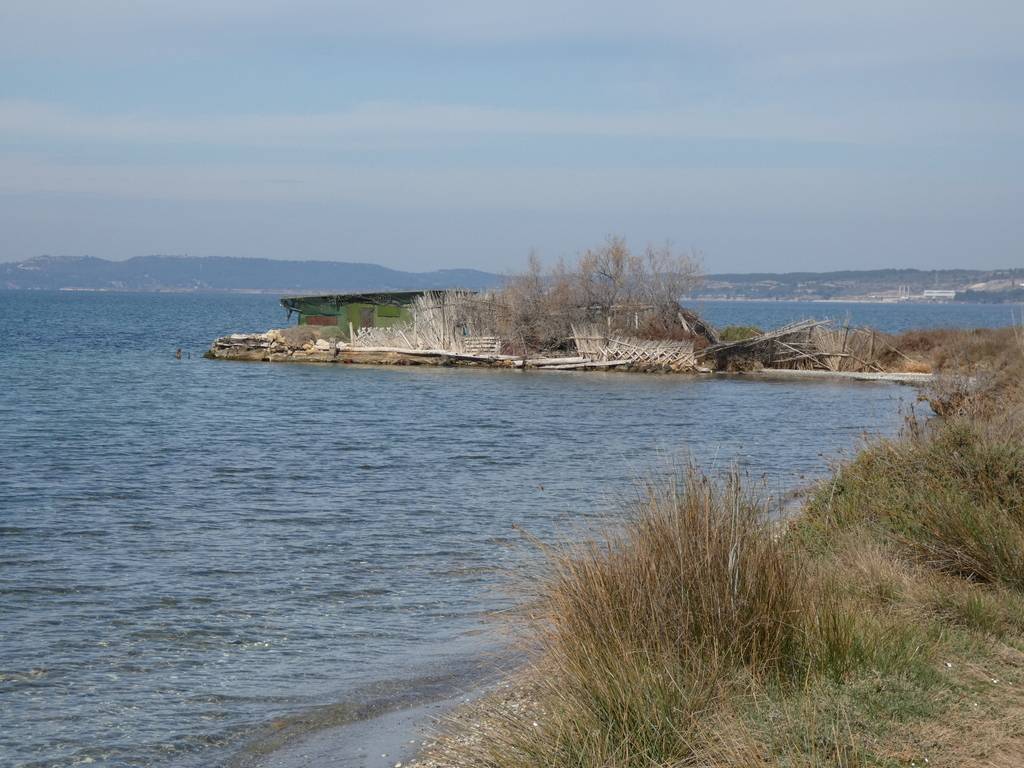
(588, 364)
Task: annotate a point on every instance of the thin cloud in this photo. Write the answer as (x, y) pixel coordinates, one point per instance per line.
(815, 192)
(385, 125)
(938, 27)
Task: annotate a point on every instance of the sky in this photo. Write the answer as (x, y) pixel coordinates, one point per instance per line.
(764, 136)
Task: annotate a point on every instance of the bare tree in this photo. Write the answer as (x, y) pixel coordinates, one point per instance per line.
(608, 284)
(669, 275)
(605, 274)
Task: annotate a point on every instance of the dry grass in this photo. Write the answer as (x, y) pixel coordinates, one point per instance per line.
(957, 350)
(640, 631)
(911, 366)
(872, 630)
(970, 362)
(697, 610)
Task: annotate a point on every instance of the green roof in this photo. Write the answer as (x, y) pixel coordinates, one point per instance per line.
(378, 297)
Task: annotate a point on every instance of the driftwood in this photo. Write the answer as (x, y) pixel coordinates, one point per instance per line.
(804, 345)
(642, 353)
(587, 364)
(692, 323)
(458, 325)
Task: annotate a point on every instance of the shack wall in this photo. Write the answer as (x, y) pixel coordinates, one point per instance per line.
(359, 314)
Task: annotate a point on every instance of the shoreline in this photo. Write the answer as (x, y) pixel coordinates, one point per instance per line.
(695, 299)
(423, 336)
(267, 348)
(374, 726)
(388, 358)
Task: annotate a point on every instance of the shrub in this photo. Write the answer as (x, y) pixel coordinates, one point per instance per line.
(739, 332)
(952, 496)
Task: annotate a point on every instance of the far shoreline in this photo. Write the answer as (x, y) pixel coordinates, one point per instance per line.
(691, 299)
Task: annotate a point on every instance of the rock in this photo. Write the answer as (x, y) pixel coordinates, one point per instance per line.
(323, 345)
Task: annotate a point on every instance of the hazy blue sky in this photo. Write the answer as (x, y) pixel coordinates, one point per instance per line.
(774, 136)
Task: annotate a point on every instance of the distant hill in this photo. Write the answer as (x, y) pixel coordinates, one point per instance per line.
(184, 273)
(970, 284)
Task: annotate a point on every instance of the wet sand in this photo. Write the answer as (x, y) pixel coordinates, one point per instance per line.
(378, 742)
(382, 726)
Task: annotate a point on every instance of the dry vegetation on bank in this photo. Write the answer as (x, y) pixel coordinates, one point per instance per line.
(883, 626)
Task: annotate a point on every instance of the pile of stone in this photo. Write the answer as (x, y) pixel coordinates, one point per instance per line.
(272, 347)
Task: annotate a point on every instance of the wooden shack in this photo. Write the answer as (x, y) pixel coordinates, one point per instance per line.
(353, 310)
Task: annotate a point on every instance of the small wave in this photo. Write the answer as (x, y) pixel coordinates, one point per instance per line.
(32, 675)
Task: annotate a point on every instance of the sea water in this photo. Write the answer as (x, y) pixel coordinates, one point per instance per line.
(190, 549)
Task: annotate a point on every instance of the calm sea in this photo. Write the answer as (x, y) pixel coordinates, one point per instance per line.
(190, 549)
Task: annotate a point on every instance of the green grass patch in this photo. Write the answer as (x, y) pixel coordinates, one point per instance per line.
(739, 332)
